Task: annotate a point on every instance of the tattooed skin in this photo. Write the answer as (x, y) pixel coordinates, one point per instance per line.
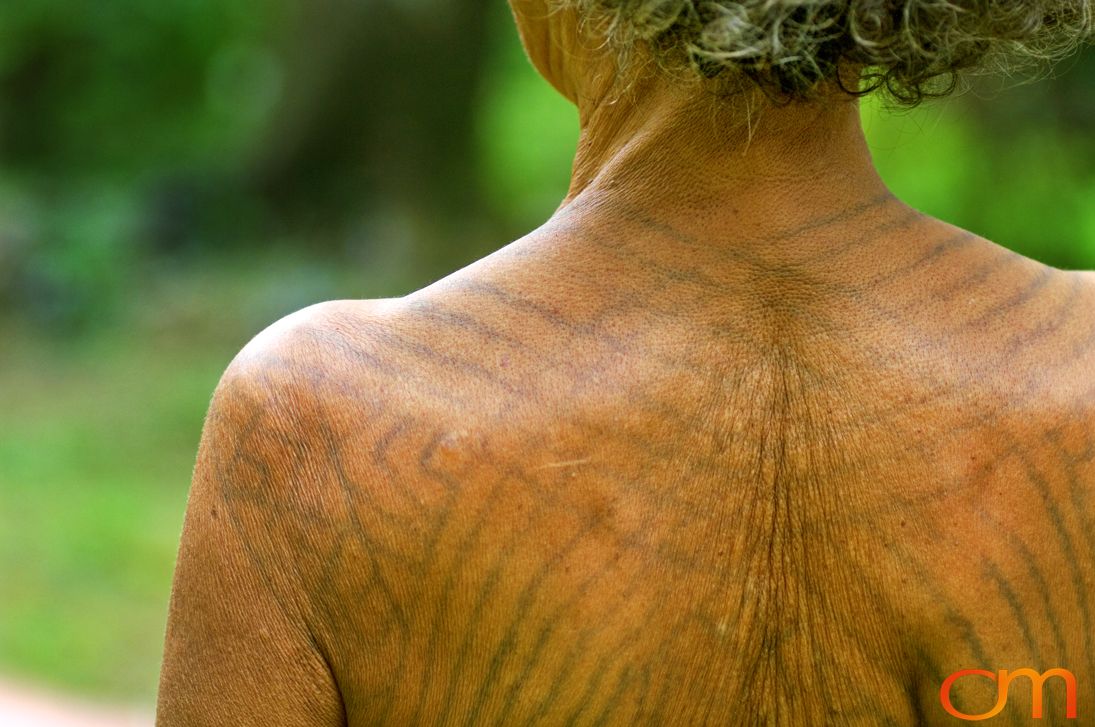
(477, 506)
(774, 449)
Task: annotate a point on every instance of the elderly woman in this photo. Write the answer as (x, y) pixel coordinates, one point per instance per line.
(735, 438)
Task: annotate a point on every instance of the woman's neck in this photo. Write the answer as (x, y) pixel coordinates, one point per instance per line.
(684, 159)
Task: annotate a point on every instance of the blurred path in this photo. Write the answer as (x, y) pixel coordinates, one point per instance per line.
(22, 705)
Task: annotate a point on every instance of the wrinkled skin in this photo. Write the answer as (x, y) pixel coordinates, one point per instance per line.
(736, 438)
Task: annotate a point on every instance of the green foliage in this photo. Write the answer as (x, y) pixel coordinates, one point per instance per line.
(92, 491)
(120, 88)
(1031, 191)
(526, 136)
(102, 107)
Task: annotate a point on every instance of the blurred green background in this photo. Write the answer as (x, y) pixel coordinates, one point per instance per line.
(177, 174)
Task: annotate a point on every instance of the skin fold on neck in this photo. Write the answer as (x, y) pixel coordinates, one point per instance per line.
(680, 154)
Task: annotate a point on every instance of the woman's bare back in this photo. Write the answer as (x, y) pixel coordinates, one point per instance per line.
(609, 475)
(564, 501)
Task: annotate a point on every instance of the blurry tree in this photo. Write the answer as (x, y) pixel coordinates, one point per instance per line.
(377, 118)
(155, 127)
(101, 105)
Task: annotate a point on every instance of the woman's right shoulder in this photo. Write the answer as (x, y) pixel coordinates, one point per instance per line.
(315, 356)
(323, 334)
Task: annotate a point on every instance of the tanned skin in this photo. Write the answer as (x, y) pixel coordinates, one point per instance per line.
(736, 438)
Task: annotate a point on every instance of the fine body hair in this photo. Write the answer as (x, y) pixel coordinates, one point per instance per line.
(907, 49)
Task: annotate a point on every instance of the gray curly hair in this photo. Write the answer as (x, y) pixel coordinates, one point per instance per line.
(909, 49)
